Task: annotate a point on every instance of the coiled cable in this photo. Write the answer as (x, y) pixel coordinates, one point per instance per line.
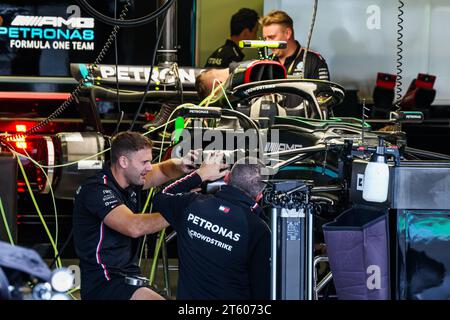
(311, 28)
(399, 83)
(74, 95)
(116, 58)
(126, 23)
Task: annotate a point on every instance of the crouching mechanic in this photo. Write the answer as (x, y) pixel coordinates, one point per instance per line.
(223, 245)
(106, 228)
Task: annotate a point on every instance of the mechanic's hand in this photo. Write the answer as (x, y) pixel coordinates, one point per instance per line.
(190, 162)
(213, 167)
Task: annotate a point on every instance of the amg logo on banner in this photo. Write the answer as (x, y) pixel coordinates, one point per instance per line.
(40, 21)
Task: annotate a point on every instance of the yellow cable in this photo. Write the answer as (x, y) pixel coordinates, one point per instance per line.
(146, 133)
(73, 298)
(71, 163)
(94, 155)
(51, 192)
(162, 232)
(226, 97)
(5, 222)
(214, 92)
(165, 127)
(207, 100)
(73, 290)
(18, 154)
(58, 261)
(143, 211)
(160, 155)
(159, 127)
(147, 201)
(155, 256)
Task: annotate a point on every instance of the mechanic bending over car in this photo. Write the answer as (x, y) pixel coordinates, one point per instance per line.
(204, 82)
(223, 244)
(106, 226)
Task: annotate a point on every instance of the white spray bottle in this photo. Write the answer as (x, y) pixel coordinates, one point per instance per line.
(376, 176)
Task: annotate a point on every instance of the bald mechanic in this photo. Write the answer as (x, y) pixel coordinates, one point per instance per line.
(223, 245)
(106, 226)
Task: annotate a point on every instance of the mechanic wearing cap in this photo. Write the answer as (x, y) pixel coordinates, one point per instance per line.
(105, 224)
(223, 244)
(278, 26)
(243, 26)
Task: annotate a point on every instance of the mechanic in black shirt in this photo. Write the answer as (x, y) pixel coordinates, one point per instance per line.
(243, 26)
(106, 228)
(223, 244)
(278, 26)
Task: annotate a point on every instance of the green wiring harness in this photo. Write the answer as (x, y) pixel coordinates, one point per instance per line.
(41, 217)
(5, 222)
(51, 192)
(161, 235)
